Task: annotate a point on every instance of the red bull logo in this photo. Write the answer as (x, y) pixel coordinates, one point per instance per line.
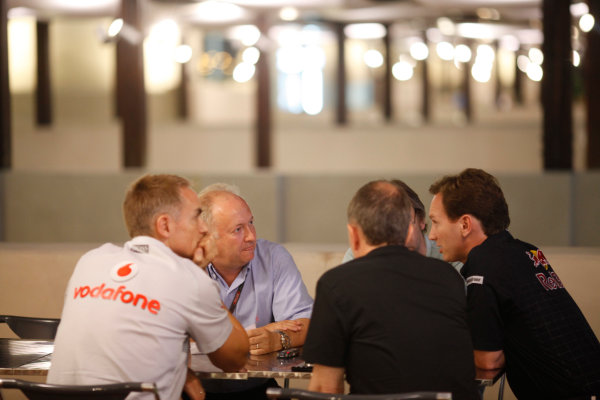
(538, 258)
(551, 282)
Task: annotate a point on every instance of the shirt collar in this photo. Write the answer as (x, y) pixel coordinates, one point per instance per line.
(214, 274)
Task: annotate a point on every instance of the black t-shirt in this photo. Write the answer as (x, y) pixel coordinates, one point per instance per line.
(517, 303)
(395, 320)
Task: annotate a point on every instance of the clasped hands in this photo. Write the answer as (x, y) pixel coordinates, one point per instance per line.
(265, 339)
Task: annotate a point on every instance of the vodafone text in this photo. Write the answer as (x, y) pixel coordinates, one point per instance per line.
(126, 296)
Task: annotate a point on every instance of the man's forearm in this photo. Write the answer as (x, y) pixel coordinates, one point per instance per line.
(327, 379)
(295, 329)
(489, 359)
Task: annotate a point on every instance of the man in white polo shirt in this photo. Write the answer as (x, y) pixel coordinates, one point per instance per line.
(129, 311)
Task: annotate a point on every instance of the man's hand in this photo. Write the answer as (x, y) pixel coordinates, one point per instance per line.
(327, 379)
(285, 325)
(206, 251)
(263, 341)
(193, 387)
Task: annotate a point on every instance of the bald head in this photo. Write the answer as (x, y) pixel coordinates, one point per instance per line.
(231, 222)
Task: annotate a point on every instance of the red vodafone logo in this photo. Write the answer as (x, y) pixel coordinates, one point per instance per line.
(123, 271)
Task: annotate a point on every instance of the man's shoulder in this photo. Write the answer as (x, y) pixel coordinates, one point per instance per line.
(498, 255)
(265, 246)
(269, 252)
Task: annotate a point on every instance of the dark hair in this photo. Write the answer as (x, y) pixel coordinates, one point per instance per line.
(474, 192)
(149, 196)
(417, 204)
(383, 211)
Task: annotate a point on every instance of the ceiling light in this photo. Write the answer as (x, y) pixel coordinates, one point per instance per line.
(419, 51)
(402, 71)
(373, 58)
(586, 22)
(365, 31)
(579, 9)
(288, 13)
(462, 53)
(445, 50)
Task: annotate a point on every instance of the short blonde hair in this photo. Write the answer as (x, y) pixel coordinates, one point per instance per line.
(148, 197)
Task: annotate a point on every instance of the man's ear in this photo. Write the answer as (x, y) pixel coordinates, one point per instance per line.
(353, 237)
(466, 224)
(162, 226)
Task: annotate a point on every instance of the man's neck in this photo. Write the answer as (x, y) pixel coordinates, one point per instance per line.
(472, 242)
(228, 274)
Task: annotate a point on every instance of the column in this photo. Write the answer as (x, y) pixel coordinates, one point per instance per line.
(341, 110)
(130, 89)
(43, 89)
(5, 117)
(556, 86)
(592, 88)
(263, 103)
(387, 79)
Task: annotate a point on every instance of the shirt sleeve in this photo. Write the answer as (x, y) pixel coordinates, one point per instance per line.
(207, 320)
(326, 339)
(483, 316)
(348, 256)
(290, 298)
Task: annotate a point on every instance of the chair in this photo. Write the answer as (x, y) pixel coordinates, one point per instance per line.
(43, 391)
(32, 328)
(501, 387)
(286, 393)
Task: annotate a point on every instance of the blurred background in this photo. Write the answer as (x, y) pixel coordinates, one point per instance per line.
(299, 103)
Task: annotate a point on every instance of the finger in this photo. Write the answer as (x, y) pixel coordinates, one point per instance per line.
(290, 325)
(253, 333)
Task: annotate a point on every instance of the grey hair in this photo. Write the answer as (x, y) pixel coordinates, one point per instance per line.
(208, 195)
(220, 187)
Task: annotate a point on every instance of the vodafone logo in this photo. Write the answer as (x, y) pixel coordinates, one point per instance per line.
(123, 271)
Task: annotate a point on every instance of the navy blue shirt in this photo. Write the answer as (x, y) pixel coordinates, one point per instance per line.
(518, 304)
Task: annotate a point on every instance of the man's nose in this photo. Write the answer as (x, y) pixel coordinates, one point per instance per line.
(431, 235)
(250, 234)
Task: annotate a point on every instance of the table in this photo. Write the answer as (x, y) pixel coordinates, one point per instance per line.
(32, 357)
(263, 366)
(269, 366)
(25, 357)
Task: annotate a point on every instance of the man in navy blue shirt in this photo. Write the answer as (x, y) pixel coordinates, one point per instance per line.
(520, 314)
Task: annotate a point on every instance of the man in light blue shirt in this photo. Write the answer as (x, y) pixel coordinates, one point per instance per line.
(259, 283)
(418, 242)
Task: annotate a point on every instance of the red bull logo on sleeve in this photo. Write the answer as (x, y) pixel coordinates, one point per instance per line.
(551, 282)
(538, 258)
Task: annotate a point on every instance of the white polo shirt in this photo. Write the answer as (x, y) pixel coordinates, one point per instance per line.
(128, 315)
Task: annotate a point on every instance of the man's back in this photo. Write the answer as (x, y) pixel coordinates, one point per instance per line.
(127, 315)
(550, 349)
(396, 321)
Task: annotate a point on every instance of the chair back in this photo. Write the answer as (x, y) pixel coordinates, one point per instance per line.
(288, 393)
(32, 328)
(44, 391)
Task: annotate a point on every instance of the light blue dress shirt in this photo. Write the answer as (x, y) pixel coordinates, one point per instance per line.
(273, 288)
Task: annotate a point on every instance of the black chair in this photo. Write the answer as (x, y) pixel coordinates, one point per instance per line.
(43, 391)
(286, 393)
(501, 387)
(30, 327)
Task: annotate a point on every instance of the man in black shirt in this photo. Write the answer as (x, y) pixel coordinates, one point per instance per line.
(392, 319)
(520, 314)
